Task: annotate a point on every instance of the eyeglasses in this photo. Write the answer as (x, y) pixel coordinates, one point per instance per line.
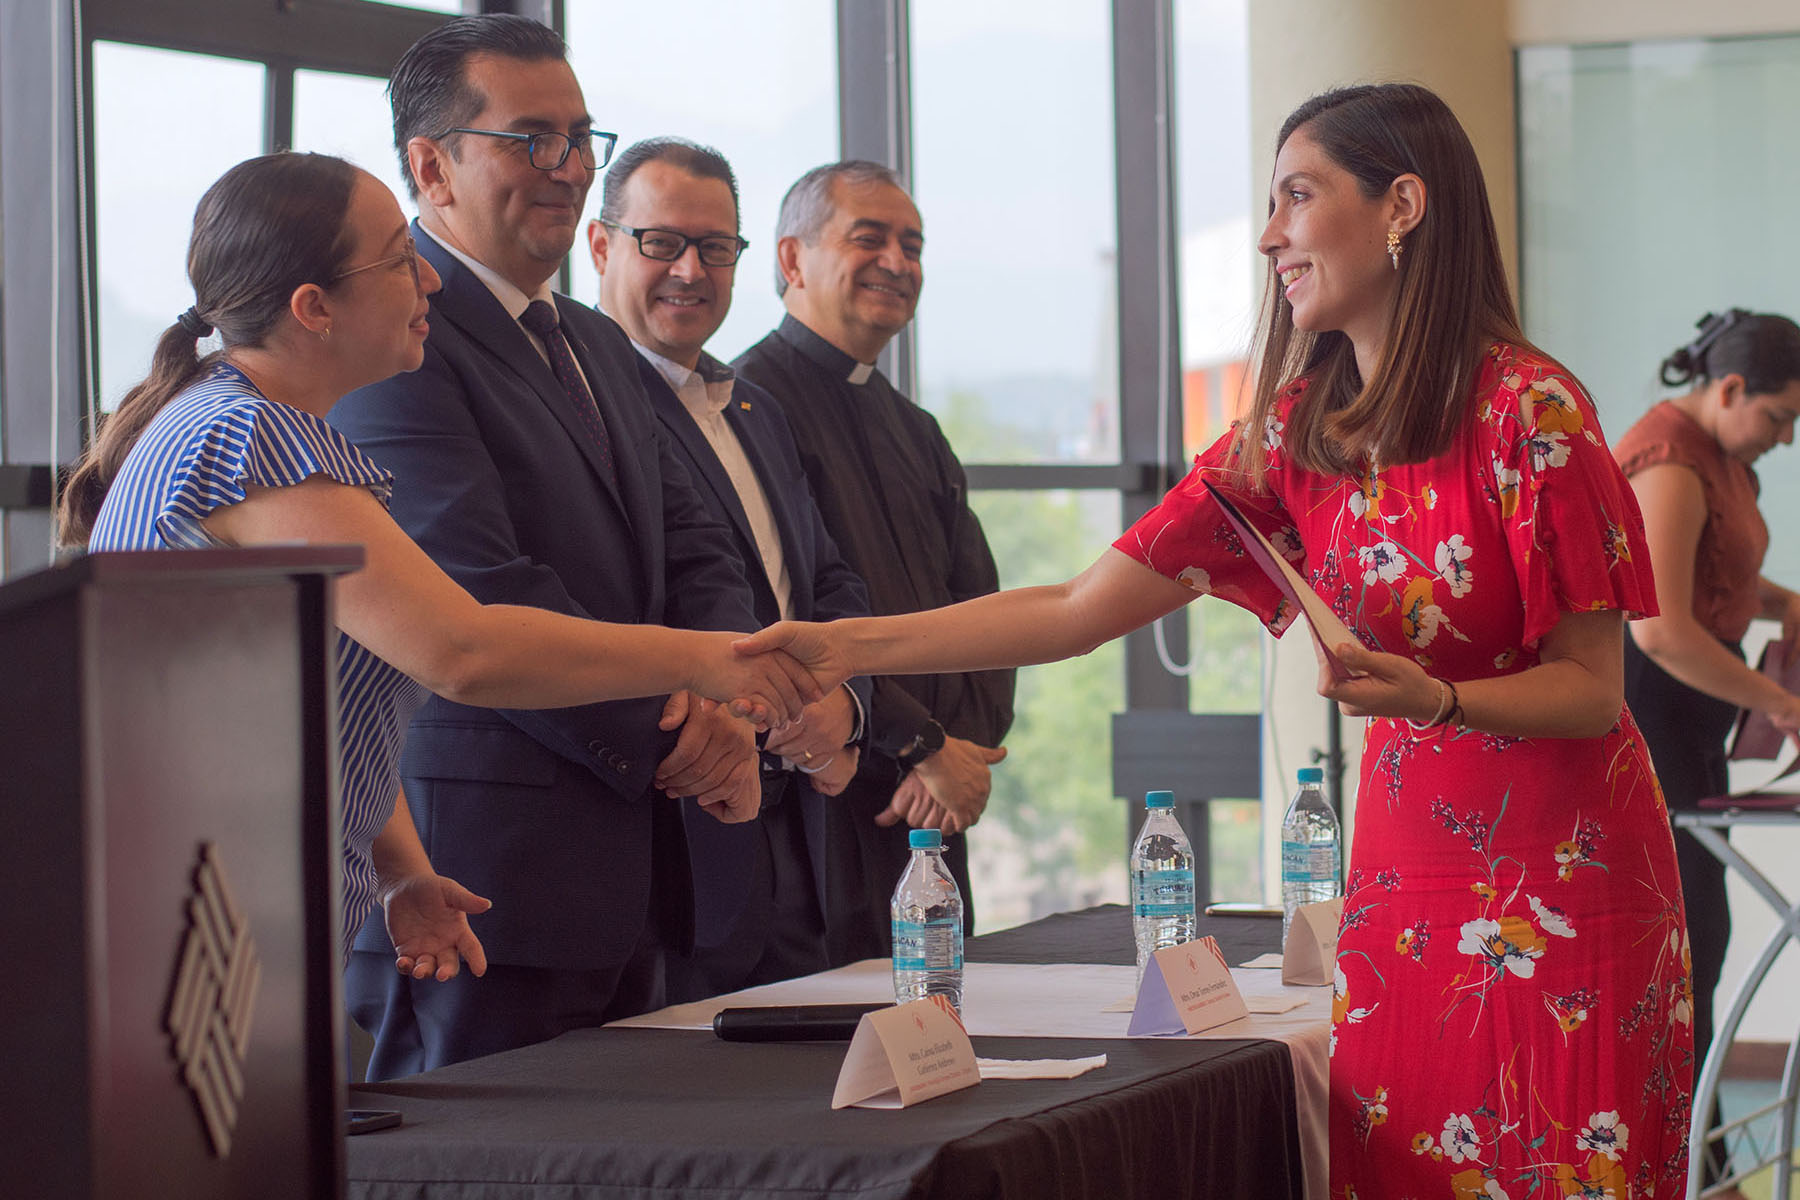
(665, 245)
(410, 256)
(550, 149)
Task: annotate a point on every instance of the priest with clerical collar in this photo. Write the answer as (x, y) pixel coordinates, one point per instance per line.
(849, 250)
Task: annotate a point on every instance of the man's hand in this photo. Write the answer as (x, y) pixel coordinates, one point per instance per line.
(958, 778)
(913, 804)
(714, 759)
(428, 920)
(836, 773)
(820, 732)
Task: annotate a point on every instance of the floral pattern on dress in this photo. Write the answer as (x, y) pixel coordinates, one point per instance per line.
(1510, 1004)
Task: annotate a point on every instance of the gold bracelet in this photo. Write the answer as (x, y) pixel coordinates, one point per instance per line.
(1445, 694)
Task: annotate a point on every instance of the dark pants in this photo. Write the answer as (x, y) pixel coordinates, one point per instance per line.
(780, 933)
(419, 1025)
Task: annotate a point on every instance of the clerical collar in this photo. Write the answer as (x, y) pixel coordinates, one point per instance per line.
(823, 352)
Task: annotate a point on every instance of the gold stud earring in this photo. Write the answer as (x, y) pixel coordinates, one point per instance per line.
(325, 333)
(1393, 248)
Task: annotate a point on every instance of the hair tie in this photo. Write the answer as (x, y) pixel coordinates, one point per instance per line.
(193, 323)
(1711, 327)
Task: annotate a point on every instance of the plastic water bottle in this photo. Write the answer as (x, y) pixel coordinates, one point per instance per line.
(1162, 880)
(928, 925)
(1311, 848)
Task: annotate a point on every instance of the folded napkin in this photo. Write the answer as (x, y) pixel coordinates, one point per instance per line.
(1038, 1068)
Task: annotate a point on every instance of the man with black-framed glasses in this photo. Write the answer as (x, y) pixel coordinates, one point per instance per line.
(538, 474)
(666, 245)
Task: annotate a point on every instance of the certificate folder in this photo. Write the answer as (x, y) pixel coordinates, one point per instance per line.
(1328, 631)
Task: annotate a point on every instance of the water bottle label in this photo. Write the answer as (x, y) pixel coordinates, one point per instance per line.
(1309, 862)
(1163, 894)
(928, 945)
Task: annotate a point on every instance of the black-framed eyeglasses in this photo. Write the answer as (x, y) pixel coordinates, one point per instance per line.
(665, 245)
(409, 255)
(550, 149)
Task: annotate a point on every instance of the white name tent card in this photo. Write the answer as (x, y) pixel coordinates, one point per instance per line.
(1311, 948)
(902, 1055)
(1186, 989)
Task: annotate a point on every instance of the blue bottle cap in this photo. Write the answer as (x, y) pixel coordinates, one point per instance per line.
(1312, 775)
(1159, 799)
(925, 839)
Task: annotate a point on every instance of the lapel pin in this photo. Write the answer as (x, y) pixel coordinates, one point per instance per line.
(744, 404)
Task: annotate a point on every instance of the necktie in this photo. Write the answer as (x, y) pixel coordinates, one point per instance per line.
(540, 318)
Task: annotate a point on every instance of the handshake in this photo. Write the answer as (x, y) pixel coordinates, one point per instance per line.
(769, 678)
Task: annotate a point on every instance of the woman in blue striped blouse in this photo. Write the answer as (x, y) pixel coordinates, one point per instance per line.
(304, 265)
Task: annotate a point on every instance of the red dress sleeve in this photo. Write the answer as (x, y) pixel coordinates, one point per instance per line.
(1187, 537)
(1571, 521)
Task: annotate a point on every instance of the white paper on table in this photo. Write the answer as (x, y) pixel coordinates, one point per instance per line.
(1271, 959)
(1038, 1068)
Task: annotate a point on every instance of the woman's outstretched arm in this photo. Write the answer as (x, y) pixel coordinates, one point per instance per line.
(1013, 628)
(403, 608)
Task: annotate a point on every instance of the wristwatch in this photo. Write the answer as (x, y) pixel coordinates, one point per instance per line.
(927, 742)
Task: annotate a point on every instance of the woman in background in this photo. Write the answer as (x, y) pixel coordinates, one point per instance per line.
(1689, 461)
(304, 265)
(1510, 1005)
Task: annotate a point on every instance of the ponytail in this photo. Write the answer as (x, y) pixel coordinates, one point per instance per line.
(1763, 348)
(174, 366)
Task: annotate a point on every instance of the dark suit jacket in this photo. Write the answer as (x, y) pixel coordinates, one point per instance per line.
(549, 813)
(823, 588)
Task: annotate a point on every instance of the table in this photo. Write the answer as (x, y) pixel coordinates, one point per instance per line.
(1750, 1147)
(637, 1113)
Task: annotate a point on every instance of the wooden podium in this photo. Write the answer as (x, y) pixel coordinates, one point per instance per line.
(170, 1016)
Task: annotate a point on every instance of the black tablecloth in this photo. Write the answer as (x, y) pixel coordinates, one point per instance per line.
(627, 1113)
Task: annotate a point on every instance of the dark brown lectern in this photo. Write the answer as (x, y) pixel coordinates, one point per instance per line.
(169, 876)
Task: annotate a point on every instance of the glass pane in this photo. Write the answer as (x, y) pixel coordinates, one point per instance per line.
(153, 159)
(1220, 269)
(1053, 837)
(1656, 184)
(1220, 275)
(1236, 827)
(1013, 167)
(348, 115)
(769, 106)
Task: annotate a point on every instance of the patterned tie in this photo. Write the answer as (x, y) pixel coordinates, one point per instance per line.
(540, 318)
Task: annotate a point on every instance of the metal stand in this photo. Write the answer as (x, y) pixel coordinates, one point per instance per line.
(1750, 1142)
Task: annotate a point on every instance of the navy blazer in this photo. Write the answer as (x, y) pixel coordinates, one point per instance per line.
(823, 588)
(549, 813)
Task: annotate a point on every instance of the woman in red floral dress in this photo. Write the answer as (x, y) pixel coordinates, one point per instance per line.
(1511, 1012)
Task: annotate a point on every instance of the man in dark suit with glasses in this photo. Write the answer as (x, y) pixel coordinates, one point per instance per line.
(529, 465)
